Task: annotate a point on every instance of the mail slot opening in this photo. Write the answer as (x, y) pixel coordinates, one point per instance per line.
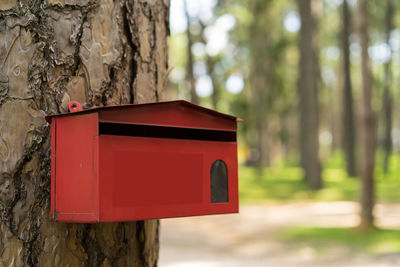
(219, 182)
(155, 131)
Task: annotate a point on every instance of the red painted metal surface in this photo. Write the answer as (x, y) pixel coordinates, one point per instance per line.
(179, 114)
(74, 106)
(74, 193)
(120, 175)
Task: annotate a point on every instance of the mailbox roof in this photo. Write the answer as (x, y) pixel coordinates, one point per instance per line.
(119, 111)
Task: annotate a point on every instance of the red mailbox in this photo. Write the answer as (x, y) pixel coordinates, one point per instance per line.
(145, 161)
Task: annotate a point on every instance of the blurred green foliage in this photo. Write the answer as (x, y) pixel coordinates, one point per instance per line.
(284, 182)
(374, 241)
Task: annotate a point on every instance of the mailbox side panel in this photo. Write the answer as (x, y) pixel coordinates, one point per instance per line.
(74, 184)
(53, 167)
(147, 178)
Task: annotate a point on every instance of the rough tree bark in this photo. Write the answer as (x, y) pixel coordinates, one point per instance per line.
(348, 129)
(367, 133)
(98, 52)
(308, 96)
(387, 104)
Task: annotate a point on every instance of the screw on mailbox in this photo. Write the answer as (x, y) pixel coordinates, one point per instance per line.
(74, 106)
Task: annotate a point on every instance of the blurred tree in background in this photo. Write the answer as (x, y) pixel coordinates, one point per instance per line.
(300, 72)
(348, 129)
(308, 83)
(367, 133)
(260, 79)
(387, 95)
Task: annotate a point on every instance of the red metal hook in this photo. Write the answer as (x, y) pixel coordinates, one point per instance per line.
(74, 106)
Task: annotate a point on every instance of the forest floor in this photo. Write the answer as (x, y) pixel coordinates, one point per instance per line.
(287, 234)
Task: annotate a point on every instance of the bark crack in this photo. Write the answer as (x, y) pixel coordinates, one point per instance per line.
(141, 239)
(91, 246)
(85, 17)
(128, 25)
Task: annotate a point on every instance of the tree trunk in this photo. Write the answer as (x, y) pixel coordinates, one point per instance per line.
(189, 65)
(260, 80)
(210, 62)
(215, 96)
(99, 53)
(308, 96)
(348, 129)
(367, 134)
(387, 96)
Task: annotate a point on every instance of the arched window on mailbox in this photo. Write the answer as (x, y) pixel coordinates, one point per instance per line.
(145, 161)
(219, 182)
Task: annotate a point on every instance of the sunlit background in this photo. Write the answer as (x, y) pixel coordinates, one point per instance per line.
(219, 54)
(222, 59)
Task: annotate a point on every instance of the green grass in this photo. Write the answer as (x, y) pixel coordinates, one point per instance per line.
(373, 241)
(285, 183)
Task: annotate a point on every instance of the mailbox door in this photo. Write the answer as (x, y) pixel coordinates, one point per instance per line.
(146, 178)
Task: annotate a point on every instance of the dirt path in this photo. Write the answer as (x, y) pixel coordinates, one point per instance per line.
(249, 238)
